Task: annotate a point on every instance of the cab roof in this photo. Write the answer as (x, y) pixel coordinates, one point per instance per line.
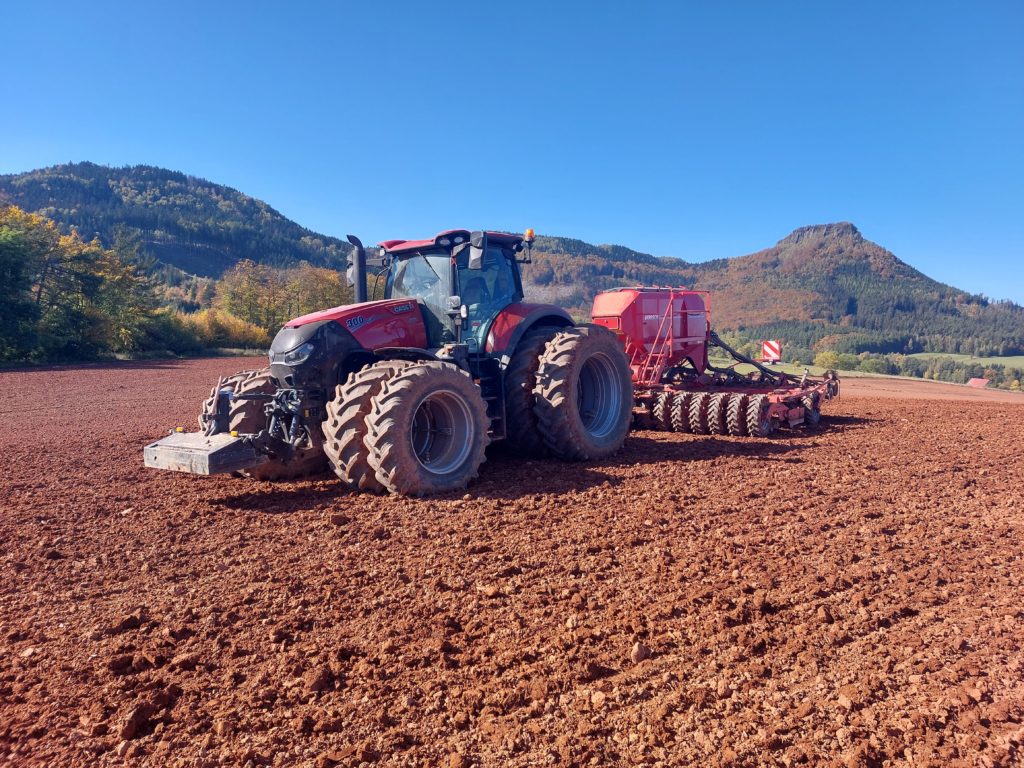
(452, 235)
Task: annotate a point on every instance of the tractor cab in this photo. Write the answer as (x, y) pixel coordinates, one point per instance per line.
(462, 280)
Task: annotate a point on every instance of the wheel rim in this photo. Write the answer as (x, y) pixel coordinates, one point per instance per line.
(442, 432)
(598, 398)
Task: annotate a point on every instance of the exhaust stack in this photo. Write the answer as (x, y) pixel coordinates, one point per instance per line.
(357, 272)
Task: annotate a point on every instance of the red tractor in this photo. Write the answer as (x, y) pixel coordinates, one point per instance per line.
(404, 394)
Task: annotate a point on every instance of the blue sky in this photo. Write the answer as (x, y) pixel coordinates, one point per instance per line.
(697, 130)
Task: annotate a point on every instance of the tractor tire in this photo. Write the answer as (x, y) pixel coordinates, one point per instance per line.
(759, 423)
(209, 406)
(718, 413)
(426, 431)
(681, 411)
(812, 410)
(345, 426)
(698, 413)
(584, 394)
(663, 411)
(736, 417)
(248, 417)
(524, 436)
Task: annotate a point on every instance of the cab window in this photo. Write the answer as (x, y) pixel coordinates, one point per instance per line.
(488, 290)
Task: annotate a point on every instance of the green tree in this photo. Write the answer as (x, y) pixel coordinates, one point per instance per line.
(827, 359)
(18, 310)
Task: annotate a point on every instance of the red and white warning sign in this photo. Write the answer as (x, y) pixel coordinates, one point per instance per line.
(771, 351)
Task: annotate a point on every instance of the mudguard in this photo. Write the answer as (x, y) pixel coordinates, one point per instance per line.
(515, 320)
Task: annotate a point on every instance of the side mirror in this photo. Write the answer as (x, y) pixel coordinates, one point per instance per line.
(477, 246)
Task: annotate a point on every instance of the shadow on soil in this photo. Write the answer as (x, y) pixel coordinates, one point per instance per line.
(508, 478)
(548, 476)
(289, 497)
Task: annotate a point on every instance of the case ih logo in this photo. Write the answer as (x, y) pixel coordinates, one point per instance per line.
(402, 308)
(355, 322)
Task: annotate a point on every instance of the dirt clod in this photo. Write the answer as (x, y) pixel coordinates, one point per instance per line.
(639, 652)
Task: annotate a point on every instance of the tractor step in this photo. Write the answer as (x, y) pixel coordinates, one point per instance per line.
(200, 454)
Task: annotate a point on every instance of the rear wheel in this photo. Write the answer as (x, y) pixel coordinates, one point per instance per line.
(584, 394)
(737, 414)
(524, 437)
(426, 430)
(759, 423)
(345, 426)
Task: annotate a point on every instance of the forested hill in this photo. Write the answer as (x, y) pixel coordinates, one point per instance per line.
(195, 225)
(820, 287)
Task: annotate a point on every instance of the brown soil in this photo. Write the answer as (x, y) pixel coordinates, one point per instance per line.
(850, 596)
(920, 389)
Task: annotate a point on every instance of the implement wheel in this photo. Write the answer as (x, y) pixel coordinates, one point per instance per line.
(698, 415)
(812, 409)
(524, 437)
(427, 430)
(736, 416)
(584, 394)
(681, 411)
(345, 426)
(718, 413)
(663, 410)
(759, 423)
(249, 417)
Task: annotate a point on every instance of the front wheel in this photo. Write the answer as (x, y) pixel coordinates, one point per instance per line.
(427, 430)
(247, 417)
(345, 427)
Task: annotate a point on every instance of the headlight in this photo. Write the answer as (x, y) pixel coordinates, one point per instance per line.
(298, 355)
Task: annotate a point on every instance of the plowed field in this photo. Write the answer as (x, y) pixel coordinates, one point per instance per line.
(849, 596)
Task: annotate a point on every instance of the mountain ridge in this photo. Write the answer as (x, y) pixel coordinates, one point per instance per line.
(820, 286)
(184, 221)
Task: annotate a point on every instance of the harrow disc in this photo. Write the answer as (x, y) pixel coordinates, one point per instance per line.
(812, 409)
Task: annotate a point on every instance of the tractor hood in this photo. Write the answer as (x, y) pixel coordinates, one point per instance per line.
(375, 324)
(343, 313)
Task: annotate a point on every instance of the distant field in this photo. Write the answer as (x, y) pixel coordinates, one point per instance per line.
(1016, 361)
(794, 369)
